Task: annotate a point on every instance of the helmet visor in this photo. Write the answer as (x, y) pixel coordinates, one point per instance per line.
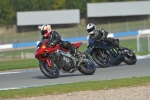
(43, 32)
(91, 29)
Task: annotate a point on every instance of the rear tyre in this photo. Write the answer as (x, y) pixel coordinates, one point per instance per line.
(102, 60)
(87, 69)
(130, 57)
(50, 72)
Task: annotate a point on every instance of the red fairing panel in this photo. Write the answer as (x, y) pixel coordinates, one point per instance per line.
(77, 44)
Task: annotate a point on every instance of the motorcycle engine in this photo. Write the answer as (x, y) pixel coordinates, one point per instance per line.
(63, 60)
(66, 63)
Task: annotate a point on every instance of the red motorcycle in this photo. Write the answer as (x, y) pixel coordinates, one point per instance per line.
(53, 59)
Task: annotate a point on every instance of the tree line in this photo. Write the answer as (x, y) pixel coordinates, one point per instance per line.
(8, 8)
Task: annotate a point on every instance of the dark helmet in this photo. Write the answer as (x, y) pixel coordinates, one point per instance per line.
(91, 28)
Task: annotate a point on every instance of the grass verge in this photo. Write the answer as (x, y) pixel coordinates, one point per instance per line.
(18, 64)
(74, 87)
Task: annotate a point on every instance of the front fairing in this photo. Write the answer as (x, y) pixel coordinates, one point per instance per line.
(90, 41)
(40, 43)
(42, 49)
(101, 44)
(105, 45)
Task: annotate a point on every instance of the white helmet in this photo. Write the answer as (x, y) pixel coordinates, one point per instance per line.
(45, 29)
(91, 28)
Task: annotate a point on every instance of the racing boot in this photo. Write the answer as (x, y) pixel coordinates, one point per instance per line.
(120, 49)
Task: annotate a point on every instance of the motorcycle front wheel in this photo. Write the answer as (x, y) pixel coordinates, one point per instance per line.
(87, 69)
(50, 72)
(103, 60)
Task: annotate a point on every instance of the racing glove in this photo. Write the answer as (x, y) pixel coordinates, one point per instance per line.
(50, 44)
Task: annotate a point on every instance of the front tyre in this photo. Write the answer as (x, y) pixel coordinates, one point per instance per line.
(102, 59)
(50, 72)
(87, 69)
(130, 57)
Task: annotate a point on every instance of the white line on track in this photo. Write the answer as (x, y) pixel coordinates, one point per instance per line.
(9, 72)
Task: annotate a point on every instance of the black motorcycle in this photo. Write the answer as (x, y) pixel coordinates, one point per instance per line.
(105, 54)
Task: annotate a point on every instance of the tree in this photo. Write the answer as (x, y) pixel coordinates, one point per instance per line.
(77, 4)
(6, 13)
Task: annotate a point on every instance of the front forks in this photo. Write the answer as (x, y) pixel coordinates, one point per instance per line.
(81, 58)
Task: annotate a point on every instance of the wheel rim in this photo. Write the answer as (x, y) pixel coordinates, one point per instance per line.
(102, 58)
(51, 70)
(130, 55)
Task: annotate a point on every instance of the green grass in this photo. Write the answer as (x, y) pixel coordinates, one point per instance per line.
(74, 87)
(129, 43)
(18, 64)
(17, 52)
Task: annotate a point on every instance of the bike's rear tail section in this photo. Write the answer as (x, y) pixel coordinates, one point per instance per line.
(77, 44)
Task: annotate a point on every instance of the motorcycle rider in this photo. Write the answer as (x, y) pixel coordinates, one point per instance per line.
(54, 38)
(100, 34)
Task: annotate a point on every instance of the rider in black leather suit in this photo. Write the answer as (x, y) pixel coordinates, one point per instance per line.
(54, 38)
(100, 34)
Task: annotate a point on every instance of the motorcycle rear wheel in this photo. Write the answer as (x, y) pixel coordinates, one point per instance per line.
(87, 69)
(130, 57)
(50, 72)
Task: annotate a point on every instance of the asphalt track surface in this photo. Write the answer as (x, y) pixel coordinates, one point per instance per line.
(34, 78)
